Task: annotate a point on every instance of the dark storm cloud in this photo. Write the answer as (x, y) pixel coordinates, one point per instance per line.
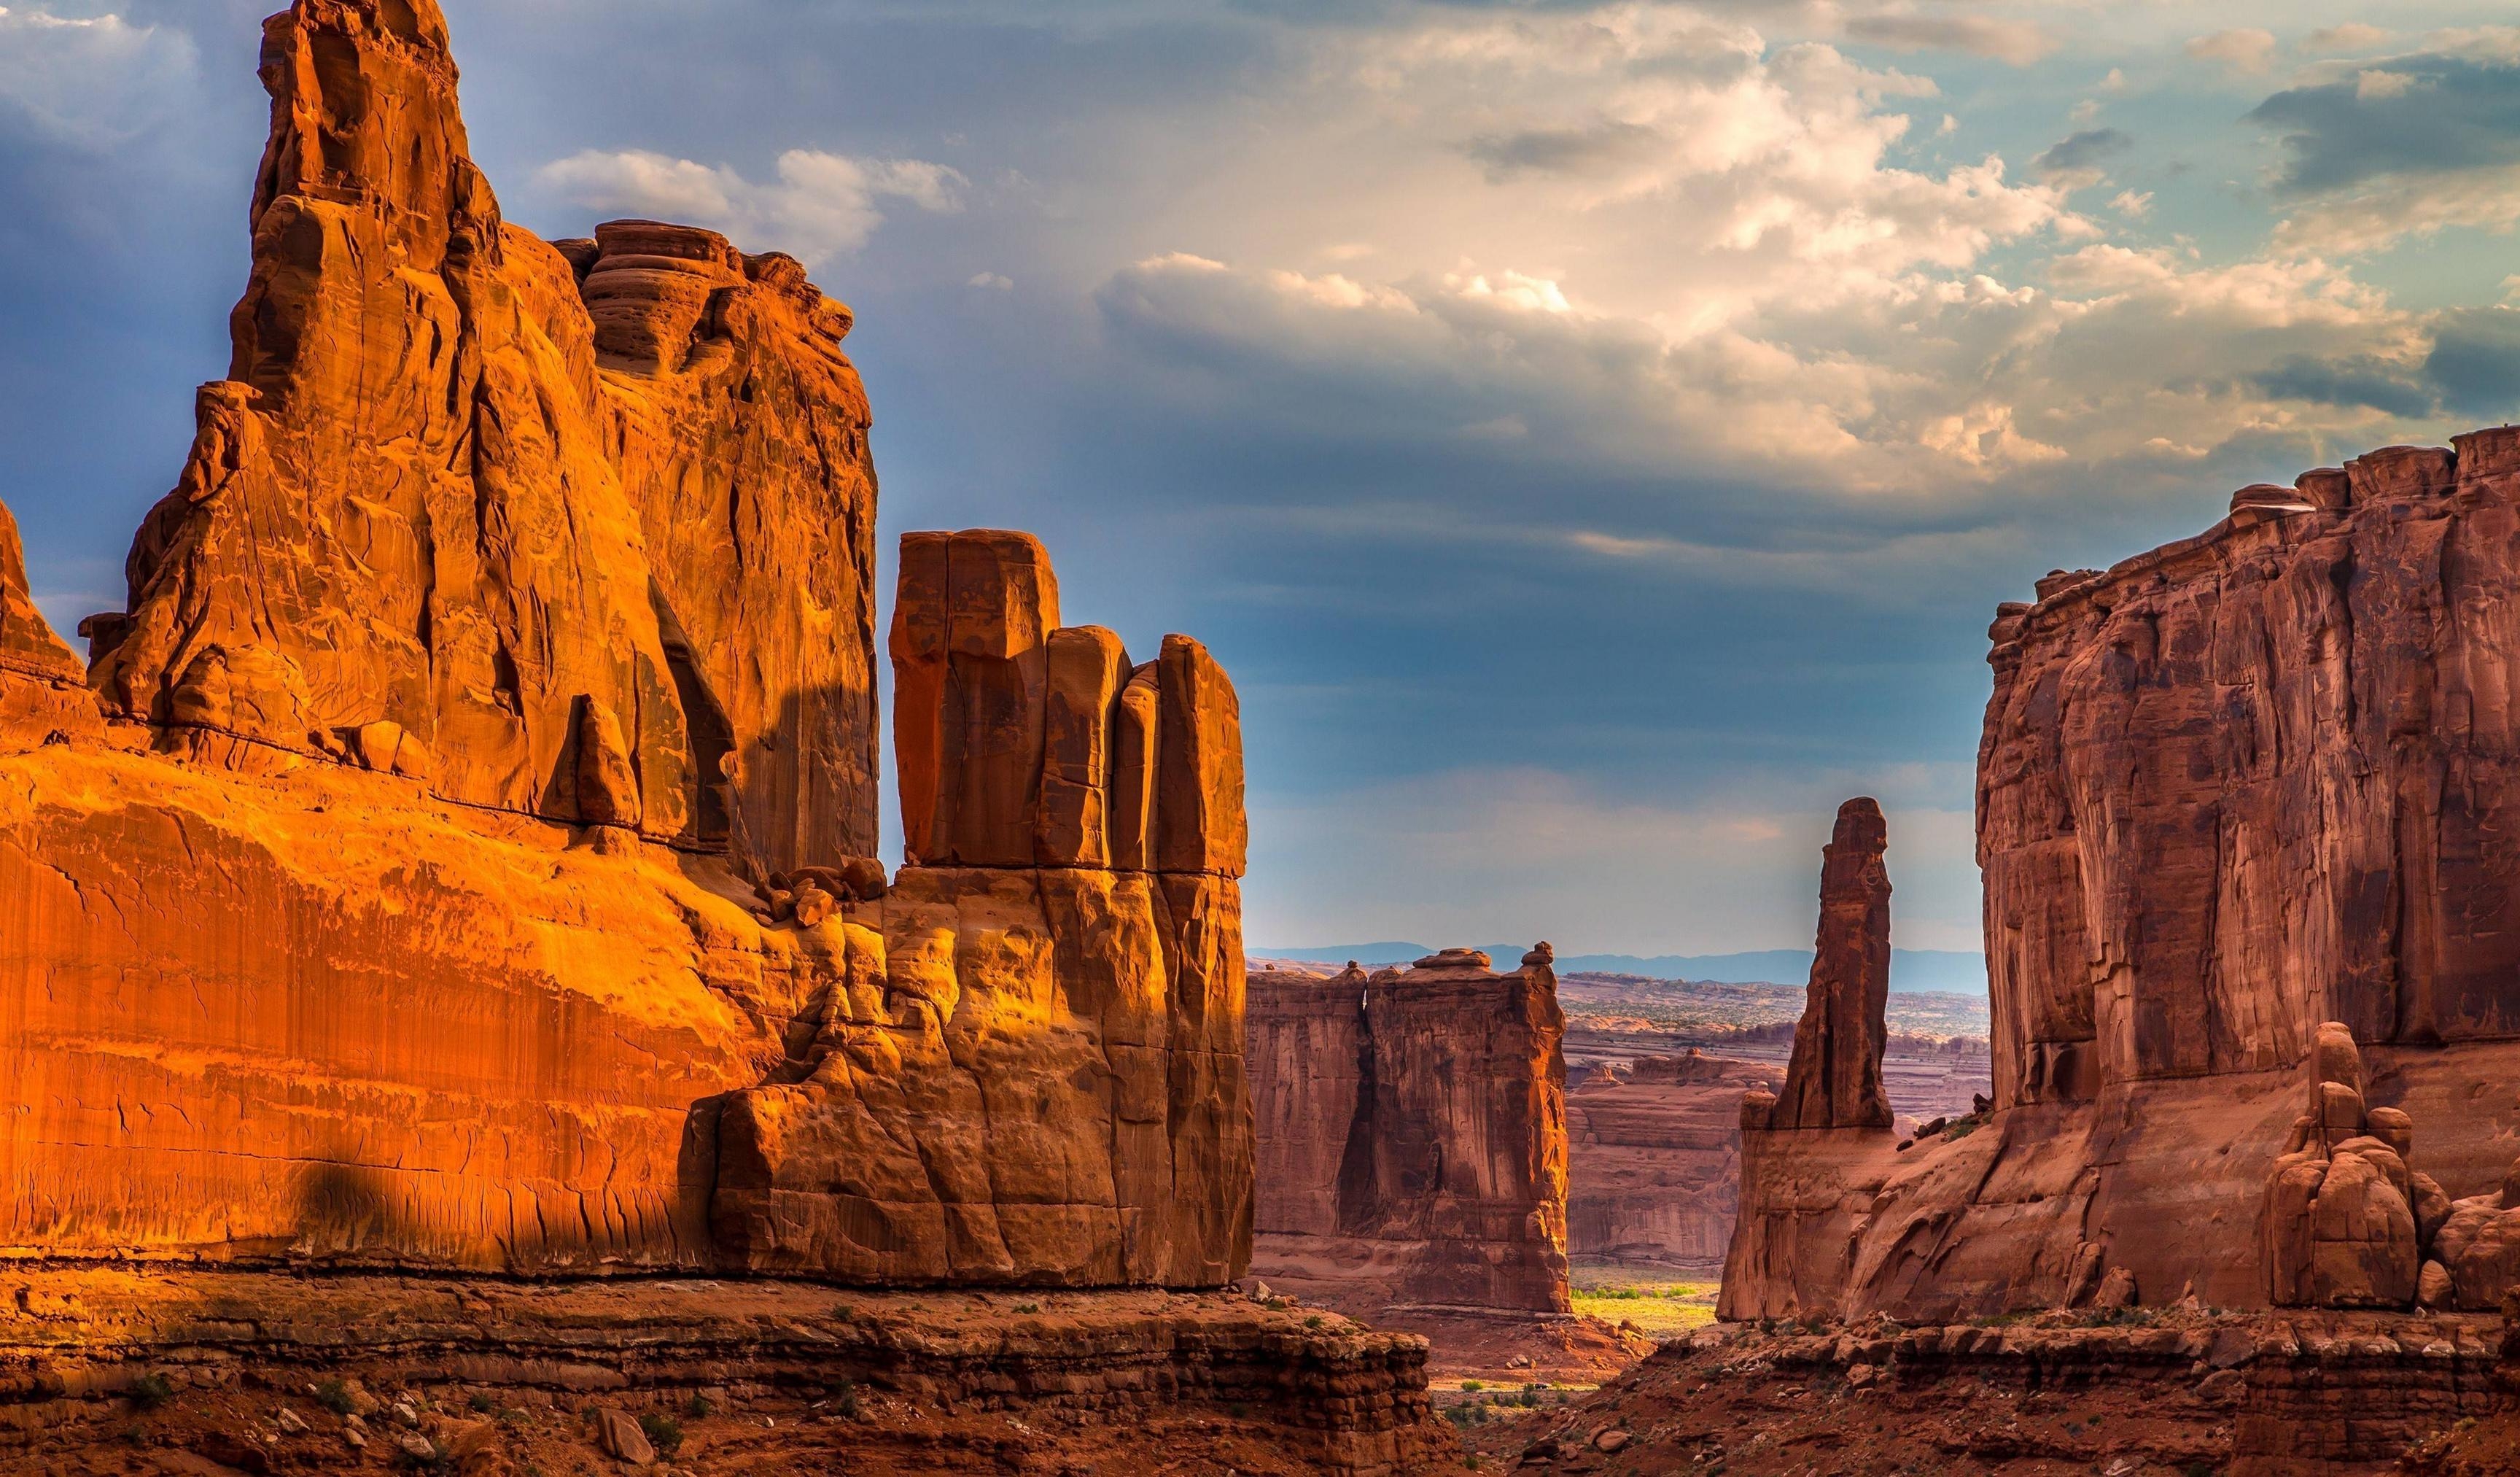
(2475, 363)
(1562, 151)
(2079, 152)
(2371, 383)
(2421, 115)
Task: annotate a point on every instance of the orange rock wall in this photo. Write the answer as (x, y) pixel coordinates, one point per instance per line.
(1043, 1077)
(426, 880)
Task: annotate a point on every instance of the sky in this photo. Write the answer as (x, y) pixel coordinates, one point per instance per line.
(1596, 437)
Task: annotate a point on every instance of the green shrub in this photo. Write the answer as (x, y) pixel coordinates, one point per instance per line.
(335, 1396)
(664, 1433)
(151, 1390)
(697, 1408)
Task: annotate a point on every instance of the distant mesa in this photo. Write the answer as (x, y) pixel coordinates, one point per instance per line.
(1911, 970)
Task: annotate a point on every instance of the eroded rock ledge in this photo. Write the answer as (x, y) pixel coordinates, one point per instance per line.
(75, 1348)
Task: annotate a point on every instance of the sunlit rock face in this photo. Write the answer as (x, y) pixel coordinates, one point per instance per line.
(448, 484)
(463, 855)
(1411, 1136)
(1038, 1072)
(2229, 790)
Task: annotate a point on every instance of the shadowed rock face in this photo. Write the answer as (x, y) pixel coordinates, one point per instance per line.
(460, 862)
(1411, 1136)
(1834, 1079)
(2228, 791)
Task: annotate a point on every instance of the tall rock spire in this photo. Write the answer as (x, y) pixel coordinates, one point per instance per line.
(470, 485)
(1835, 1078)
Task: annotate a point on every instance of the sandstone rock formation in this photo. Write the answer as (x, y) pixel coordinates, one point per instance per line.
(2346, 1220)
(476, 870)
(1653, 1159)
(1034, 1070)
(449, 485)
(2229, 790)
(1411, 1133)
(1834, 1080)
(1791, 1239)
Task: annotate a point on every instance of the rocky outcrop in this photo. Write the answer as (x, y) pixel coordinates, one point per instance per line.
(1035, 1070)
(2228, 791)
(450, 486)
(1411, 1129)
(1653, 1159)
(474, 871)
(1834, 1079)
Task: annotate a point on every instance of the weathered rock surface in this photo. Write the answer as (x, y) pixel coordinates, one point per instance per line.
(1411, 1132)
(2229, 790)
(1653, 1161)
(1033, 1071)
(474, 874)
(1834, 1079)
(447, 486)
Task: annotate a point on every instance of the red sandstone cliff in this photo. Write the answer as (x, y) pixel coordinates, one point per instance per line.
(1411, 1136)
(2228, 790)
(472, 871)
(1653, 1159)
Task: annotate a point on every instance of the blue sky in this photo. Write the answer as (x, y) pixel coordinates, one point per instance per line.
(1596, 437)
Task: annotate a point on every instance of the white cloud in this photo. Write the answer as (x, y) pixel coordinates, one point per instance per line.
(2375, 84)
(2249, 52)
(92, 81)
(992, 281)
(820, 206)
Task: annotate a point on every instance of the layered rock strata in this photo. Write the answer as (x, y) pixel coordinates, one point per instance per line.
(1411, 1136)
(246, 1346)
(2228, 791)
(1653, 1159)
(461, 861)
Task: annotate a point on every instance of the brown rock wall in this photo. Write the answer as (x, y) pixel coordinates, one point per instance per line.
(1414, 1137)
(2229, 790)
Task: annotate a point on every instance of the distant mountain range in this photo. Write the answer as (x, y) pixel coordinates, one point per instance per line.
(1910, 969)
